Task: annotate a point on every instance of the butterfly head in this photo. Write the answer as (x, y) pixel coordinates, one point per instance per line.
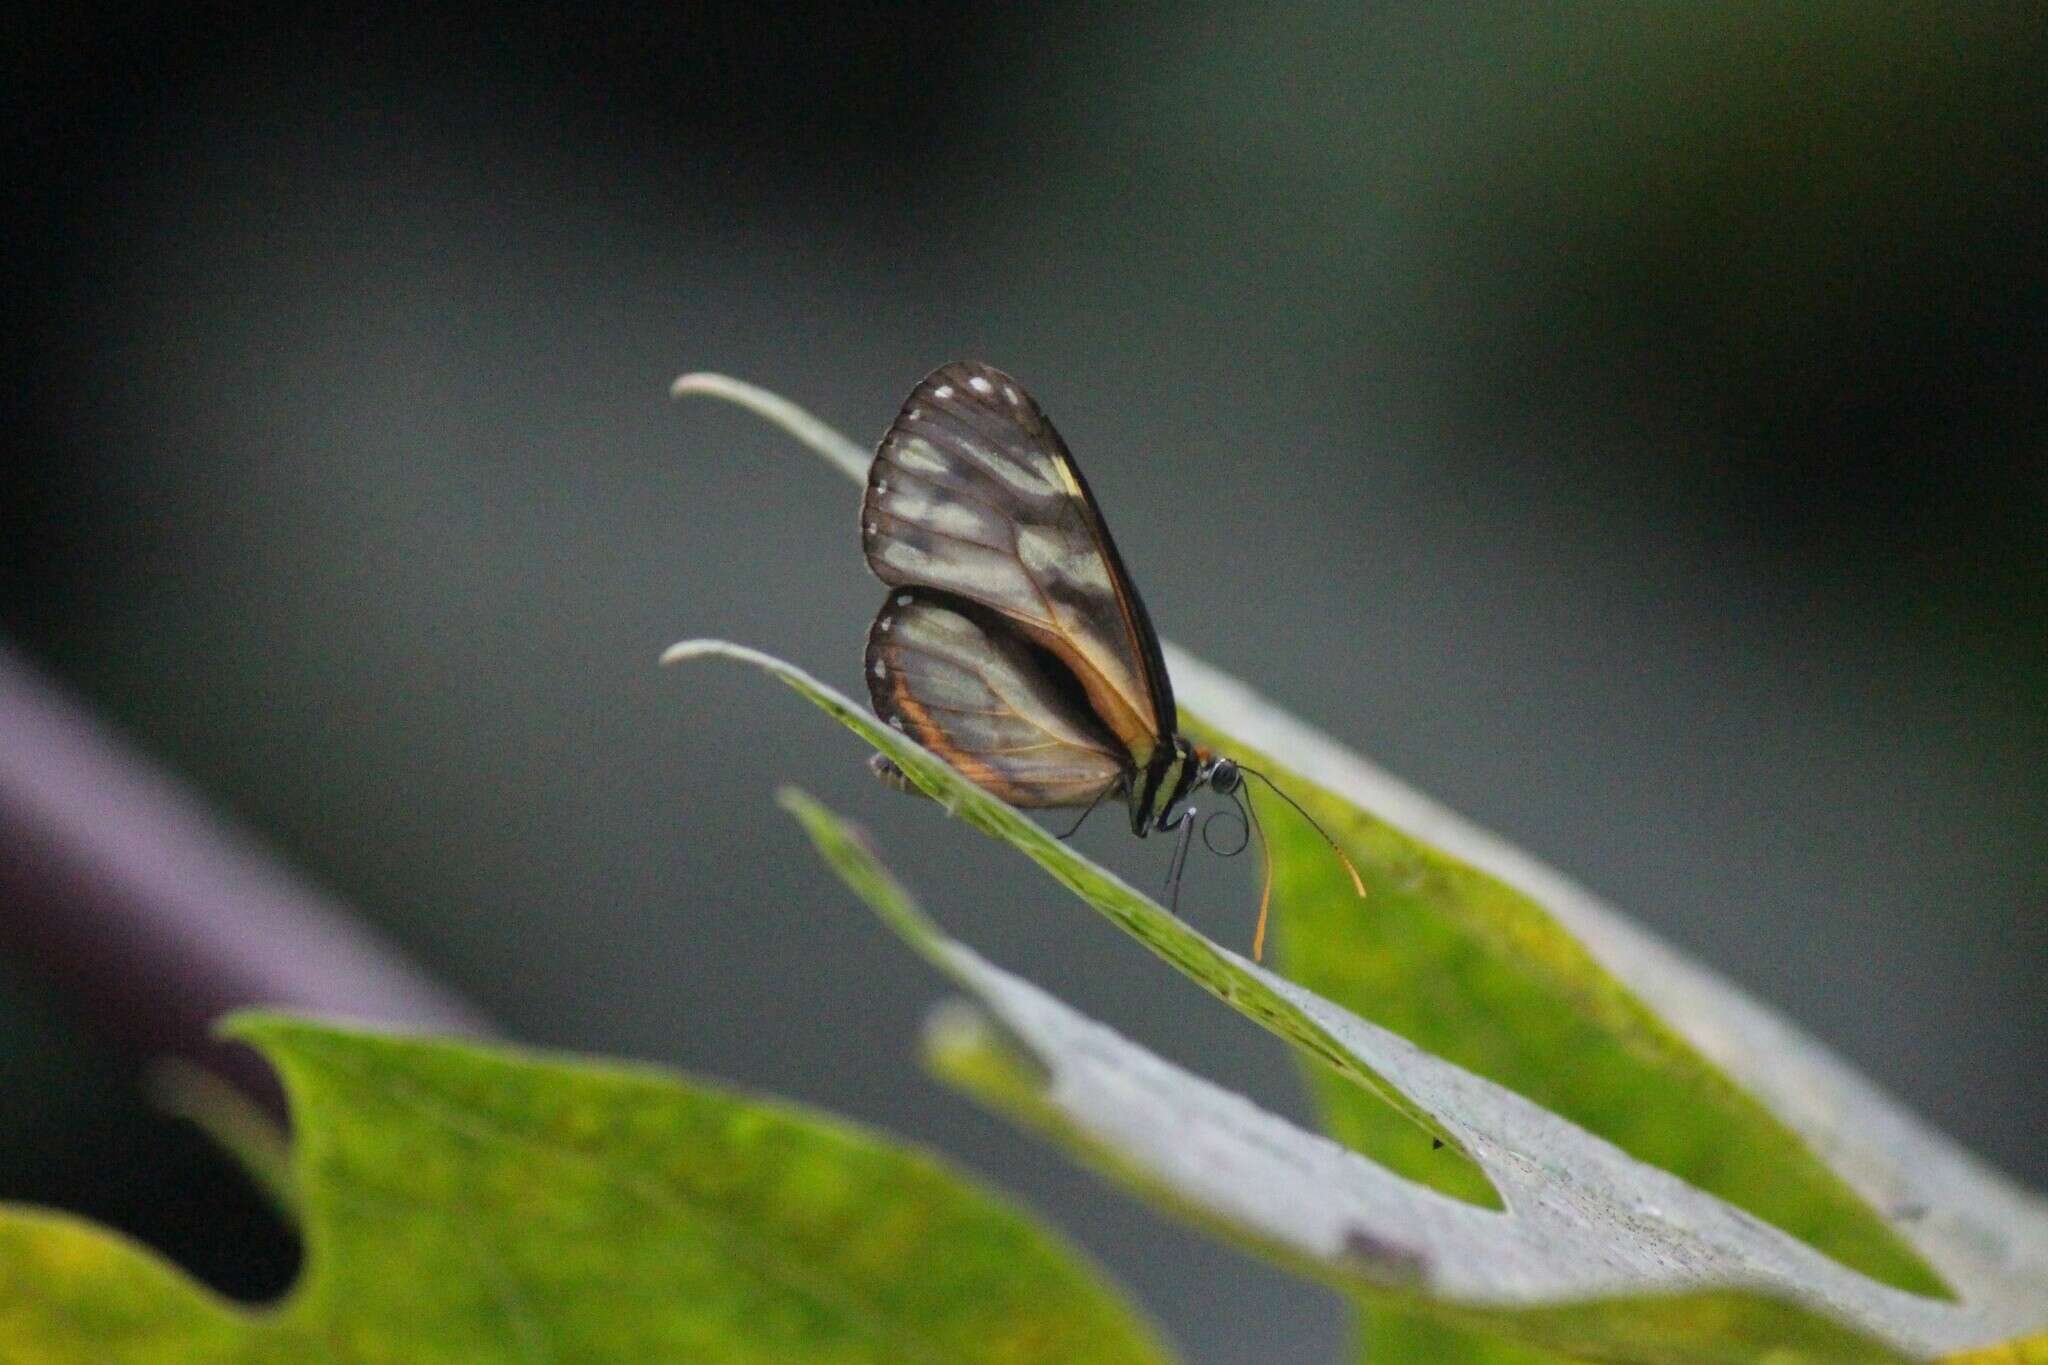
(1222, 775)
(1228, 778)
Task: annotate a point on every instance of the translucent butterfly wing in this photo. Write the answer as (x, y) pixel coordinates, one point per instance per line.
(972, 492)
(961, 682)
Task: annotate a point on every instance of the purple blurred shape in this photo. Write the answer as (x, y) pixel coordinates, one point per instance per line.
(122, 889)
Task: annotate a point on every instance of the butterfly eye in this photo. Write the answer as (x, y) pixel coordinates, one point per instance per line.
(1224, 778)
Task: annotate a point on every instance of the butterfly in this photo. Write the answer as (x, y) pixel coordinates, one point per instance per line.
(1013, 644)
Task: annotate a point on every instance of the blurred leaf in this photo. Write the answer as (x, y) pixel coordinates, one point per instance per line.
(237, 1123)
(470, 1205)
(1596, 1254)
(2032, 1350)
(1389, 1331)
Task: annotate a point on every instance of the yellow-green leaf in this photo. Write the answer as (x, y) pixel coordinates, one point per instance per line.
(1416, 1144)
(2031, 1350)
(1595, 1255)
(473, 1205)
(1483, 954)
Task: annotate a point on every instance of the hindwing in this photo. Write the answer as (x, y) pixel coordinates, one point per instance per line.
(973, 493)
(964, 683)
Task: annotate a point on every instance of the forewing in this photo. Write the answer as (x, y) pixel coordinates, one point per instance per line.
(972, 492)
(962, 682)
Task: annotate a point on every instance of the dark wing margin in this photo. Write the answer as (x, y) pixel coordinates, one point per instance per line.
(961, 681)
(1137, 620)
(973, 493)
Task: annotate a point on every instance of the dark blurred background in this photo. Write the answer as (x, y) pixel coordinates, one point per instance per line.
(1625, 424)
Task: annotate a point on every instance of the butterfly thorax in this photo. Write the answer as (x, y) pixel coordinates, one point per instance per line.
(1159, 789)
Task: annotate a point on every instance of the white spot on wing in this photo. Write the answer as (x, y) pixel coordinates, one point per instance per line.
(896, 722)
(880, 670)
(919, 457)
(971, 570)
(883, 626)
(1016, 399)
(943, 391)
(965, 520)
(980, 384)
(1045, 556)
(903, 599)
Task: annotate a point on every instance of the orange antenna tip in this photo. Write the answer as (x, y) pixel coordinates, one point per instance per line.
(1357, 882)
(1265, 901)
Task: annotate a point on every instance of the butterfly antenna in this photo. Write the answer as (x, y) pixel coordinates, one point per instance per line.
(1357, 883)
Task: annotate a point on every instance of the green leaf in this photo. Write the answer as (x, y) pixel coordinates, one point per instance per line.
(2031, 1350)
(1479, 951)
(1486, 956)
(464, 1204)
(1399, 1332)
(1595, 1253)
(236, 1122)
(1415, 1143)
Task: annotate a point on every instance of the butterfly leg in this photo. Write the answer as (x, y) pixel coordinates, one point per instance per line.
(889, 775)
(1186, 821)
(1076, 828)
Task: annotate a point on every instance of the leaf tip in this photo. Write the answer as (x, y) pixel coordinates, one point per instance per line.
(683, 650)
(799, 802)
(969, 1048)
(697, 381)
(846, 456)
(256, 1027)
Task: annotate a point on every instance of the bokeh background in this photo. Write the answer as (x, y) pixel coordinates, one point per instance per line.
(1623, 422)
